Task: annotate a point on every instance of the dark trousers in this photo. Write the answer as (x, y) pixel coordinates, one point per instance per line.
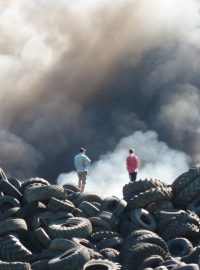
(133, 176)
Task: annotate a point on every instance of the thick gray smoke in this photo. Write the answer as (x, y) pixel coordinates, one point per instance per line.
(88, 73)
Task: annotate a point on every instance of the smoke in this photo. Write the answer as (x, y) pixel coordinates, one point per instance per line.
(89, 73)
(108, 175)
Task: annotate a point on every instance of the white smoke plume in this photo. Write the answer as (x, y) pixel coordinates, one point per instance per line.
(108, 175)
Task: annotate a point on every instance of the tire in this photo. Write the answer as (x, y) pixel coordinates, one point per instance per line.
(44, 193)
(31, 181)
(156, 206)
(193, 257)
(110, 254)
(110, 219)
(120, 208)
(12, 225)
(151, 239)
(7, 202)
(16, 183)
(58, 205)
(109, 204)
(194, 205)
(143, 218)
(114, 242)
(8, 189)
(184, 179)
(152, 262)
(89, 209)
(179, 247)
(11, 213)
(140, 186)
(40, 264)
(138, 253)
(71, 187)
(72, 259)
(155, 194)
(192, 266)
(99, 236)
(42, 237)
(73, 227)
(179, 230)
(101, 265)
(84, 242)
(163, 214)
(12, 250)
(14, 266)
(188, 193)
(61, 244)
(126, 227)
(97, 221)
(29, 209)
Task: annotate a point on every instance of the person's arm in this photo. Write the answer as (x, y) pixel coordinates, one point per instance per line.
(127, 163)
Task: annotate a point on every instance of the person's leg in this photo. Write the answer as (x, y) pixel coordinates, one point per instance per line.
(79, 180)
(84, 176)
(133, 176)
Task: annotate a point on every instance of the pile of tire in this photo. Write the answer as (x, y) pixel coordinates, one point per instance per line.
(45, 226)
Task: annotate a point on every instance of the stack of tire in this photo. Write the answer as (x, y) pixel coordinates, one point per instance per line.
(50, 227)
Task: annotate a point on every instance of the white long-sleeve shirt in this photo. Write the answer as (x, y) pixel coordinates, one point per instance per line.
(81, 162)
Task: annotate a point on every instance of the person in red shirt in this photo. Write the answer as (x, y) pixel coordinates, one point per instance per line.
(132, 165)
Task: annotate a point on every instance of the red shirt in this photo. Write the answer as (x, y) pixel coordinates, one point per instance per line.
(132, 163)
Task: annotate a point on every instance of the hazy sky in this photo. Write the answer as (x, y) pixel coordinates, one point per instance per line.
(94, 73)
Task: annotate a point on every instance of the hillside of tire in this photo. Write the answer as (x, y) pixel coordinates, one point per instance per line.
(55, 227)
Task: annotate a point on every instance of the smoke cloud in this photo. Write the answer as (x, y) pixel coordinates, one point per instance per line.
(90, 73)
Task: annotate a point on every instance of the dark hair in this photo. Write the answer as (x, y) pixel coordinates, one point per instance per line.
(82, 149)
(131, 151)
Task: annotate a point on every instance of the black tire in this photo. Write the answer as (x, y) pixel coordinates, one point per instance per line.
(179, 230)
(140, 186)
(84, 242)
(61, 244)
(8, 189)
(138, 253)
(44, 193)
(110, 219)
(109, 204)
(73, 227)
(99, 236)
(148, 238)
(16, 183)
(12, 225)
(101, 265)
(72, 259)
(59, 205)
(34, 180)
(152, 262)
(193, 257)
(184, 179)
(120, 208)
(14, 266)
(194, 205)
(71, 187)
(192, 266)
(12, 250)
(7, 202)
(141, 200)
(11, 213)
(110, 254)
(42, 237)
(188, 193)
(163, 205)
(29, 209)
(126, 227)
(97, 221)
(179, 247)
(114, 242)
(40, 264)
(88, 208)
(143, 218)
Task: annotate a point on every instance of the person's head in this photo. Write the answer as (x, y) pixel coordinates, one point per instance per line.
(131, 151)
(82, 150)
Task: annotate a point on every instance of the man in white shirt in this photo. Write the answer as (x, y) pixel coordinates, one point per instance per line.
(81, 162)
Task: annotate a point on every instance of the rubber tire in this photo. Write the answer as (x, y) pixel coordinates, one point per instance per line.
(101, 265)
(137, 217)
(185, 247)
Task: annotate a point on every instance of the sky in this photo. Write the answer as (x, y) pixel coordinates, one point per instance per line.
(96, 74)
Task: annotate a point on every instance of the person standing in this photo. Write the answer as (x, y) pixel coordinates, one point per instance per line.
(132, 164)
(81, 162)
